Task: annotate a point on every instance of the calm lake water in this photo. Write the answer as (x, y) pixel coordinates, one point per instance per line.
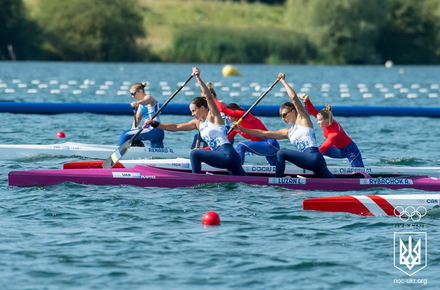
(120, 237)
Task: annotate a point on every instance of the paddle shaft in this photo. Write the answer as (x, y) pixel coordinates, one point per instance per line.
(134, 115)
(254, 104)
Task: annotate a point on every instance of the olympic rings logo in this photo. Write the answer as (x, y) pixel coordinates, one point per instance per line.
(410, 213)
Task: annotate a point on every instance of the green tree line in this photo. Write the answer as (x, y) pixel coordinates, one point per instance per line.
(314, 32)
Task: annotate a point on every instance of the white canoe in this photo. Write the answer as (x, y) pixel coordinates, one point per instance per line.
(96, 151)
(184, 163)
(93, 151)
(407, 207)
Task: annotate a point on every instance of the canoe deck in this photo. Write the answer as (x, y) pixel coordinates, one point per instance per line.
(184, 164)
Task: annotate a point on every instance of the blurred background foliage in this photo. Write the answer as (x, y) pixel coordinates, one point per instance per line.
(18, 33)
(222, 31)
(250, 45)
(84, 30)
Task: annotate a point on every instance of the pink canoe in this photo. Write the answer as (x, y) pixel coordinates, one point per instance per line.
(146, 176)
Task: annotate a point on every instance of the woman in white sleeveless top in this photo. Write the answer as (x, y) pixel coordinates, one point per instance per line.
(213, 131)
(301, 134)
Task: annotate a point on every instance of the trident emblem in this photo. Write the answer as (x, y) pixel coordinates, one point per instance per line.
(410, 255)
(410, 251)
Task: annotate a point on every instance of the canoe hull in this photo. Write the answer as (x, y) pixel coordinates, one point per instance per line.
(146, 176)
(415, 205)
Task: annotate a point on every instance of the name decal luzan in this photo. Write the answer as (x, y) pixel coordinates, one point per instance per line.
(283, 180)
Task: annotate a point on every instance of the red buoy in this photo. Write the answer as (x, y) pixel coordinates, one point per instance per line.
(60, 134)
(211, 218)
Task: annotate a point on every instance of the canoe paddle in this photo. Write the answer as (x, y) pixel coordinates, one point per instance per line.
(136, 143)
(253, 105)
(121, 150)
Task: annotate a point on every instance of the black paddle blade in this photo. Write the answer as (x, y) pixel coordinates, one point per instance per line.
(117, 155)
(137, 143)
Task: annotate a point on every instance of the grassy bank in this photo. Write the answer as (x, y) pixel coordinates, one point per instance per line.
(306, 32)
(163, 17)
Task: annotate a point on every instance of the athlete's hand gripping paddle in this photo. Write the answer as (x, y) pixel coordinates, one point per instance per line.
(136, 143)
(254, 104)
(121, 150)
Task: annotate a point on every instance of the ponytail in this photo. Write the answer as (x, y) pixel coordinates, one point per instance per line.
(327, 113)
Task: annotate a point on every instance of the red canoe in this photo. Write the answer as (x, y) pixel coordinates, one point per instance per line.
(407, 207)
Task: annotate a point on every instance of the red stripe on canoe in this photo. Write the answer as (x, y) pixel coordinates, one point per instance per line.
(88, 164)
(384, 205)
(348, 204)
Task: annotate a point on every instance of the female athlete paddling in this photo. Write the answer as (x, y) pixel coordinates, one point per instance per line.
(301, 134)
(261, 146)
(337, 144)
(197, 142)
(212, 130)
(147, 107)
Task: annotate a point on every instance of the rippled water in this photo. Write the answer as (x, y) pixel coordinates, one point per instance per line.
(121, 237)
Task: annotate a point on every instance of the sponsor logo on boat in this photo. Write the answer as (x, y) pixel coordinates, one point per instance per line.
(127, 175)
(181, 165)
(160, 150)
(386, 181)
(282, 180)
(263, 169)
(410, 251)
(355, 169)
(433, 201)
(429, 201)
(61, 147)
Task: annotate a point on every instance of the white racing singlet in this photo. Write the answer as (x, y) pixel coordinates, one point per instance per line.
(302, 137)
(214, 135)
(148, 112)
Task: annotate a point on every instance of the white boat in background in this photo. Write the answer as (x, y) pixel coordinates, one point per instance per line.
(184, 163)
(22, 152)
(173, 158)
(93, 151)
